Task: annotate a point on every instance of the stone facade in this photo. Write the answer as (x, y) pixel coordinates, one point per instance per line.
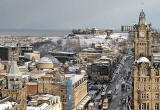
(18, 95)
(145, 73)
(51, 84)
(14, 86)
(146, 87)
(32, 88)
(6, 52)
(142, 40)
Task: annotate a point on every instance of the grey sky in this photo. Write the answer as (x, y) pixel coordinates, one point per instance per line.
(68, 14)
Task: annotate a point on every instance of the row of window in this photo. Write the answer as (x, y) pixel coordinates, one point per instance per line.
(148, 79)
(141, 43)
(14, 79)
(146, 96)
(145, 106)
(143, 72)
(143, 87)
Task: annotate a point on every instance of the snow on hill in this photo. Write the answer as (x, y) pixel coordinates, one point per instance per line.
(114, 39)
(119, 36)
(87, 40)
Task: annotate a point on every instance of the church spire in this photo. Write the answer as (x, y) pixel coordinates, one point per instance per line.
(14, 70)
(14, 76)
(142, 18)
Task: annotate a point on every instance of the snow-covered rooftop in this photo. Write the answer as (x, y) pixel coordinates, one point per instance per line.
(45, 60)
(73, 68)
(41, 107)
(105, 58)
(7, 105)
(14, 70)
(74, 77)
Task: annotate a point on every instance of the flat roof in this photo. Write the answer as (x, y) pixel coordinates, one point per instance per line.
(74, 77)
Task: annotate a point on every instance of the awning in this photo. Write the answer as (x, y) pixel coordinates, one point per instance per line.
(83, 102)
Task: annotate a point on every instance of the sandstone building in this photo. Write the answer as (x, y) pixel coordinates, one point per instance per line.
(145, 72)
(14, 86)
(72, 88)
(142, 39)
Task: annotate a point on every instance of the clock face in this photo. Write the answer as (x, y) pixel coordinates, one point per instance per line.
(142, 34)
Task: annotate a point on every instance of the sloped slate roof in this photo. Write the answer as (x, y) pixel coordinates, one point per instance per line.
(14, 70)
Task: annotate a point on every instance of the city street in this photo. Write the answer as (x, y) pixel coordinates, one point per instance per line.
(120, 77)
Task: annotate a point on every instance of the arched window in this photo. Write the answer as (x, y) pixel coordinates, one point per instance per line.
(157, 106)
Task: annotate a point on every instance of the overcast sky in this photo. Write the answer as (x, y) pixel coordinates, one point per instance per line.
(68, 14)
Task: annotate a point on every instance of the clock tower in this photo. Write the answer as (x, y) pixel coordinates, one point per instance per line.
(142, 38)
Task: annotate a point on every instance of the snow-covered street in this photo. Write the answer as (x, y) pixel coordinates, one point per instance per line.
(122, 76)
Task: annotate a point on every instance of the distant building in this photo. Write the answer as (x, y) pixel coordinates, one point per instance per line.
(25, 49)
(109, 32)
(7, 51)
(95, 31)
(127, 28)
(45, 63)
(100, 70)
(31, 55)
(63, 56)
(89, 55)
